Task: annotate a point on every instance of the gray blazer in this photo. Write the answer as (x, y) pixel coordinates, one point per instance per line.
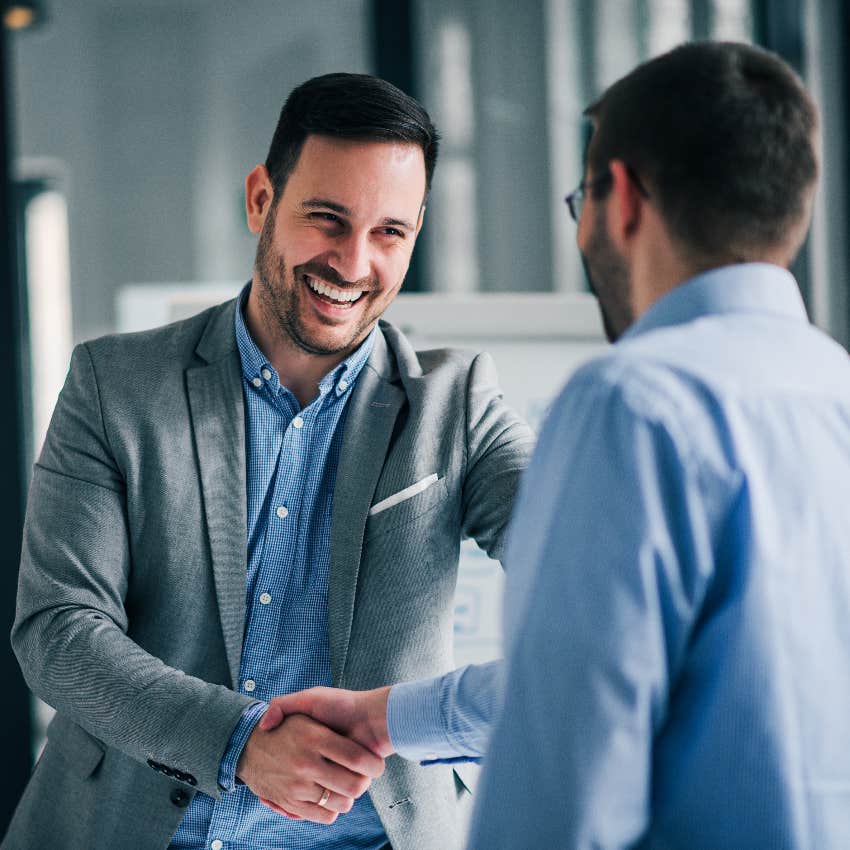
(131, 604)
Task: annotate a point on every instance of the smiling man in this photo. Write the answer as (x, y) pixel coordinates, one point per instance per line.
(266, 497)
(333, 252)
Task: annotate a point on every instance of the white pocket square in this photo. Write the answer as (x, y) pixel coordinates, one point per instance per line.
(403, 495)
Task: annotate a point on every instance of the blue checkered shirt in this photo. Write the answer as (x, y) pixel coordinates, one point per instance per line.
(292, 457)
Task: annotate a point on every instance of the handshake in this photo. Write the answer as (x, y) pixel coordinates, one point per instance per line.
(316, 751)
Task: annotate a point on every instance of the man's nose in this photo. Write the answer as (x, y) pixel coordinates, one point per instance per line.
(352, 257)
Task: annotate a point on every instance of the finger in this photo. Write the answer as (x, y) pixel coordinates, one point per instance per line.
(275, 807)
(273, 717)
(337, 779)
(300, 702)
(346, 753)
(339, 803)
(314, 813)
(297, 703)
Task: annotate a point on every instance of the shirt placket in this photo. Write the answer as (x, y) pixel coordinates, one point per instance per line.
(280, 548)
(271, 587)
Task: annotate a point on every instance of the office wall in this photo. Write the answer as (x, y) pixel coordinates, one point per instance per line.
(149, 114)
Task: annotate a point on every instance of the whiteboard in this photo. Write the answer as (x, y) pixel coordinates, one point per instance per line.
(536, 339)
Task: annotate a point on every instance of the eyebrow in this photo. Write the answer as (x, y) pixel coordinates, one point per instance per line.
(324, 203)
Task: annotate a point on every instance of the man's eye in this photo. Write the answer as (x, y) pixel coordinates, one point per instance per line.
(394, 231)
(325, 216)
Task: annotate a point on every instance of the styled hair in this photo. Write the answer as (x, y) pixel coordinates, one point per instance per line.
(723, 136)
(358, 107)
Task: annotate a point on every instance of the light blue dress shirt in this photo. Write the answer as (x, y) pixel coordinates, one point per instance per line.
(292, 457)
(677, 608)
(448, 718)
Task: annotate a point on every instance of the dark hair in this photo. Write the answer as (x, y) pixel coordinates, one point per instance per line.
(723, 135)
(348, 106)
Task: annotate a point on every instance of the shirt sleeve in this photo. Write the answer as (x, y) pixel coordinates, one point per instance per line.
(607, 562)
(448, 718)
(227, 771)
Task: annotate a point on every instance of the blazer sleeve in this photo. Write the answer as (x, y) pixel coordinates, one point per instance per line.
(499, 447)
(70, 631)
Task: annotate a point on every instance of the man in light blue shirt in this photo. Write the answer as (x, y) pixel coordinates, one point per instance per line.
(679, 572)
(679, 564)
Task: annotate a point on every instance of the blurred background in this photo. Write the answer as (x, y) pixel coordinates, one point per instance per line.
(127, 128)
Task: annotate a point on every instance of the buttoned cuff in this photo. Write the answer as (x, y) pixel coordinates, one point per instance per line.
(415, 721)
(227, 769)
(448, 718)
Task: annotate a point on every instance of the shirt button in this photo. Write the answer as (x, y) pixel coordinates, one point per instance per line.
(250, 685)
(265, 598)
(343, 386)
(256, 382)
(298, 422)
(266, 374)
(216, 845)
(282, 512)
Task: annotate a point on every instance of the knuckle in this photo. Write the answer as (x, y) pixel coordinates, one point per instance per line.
(314, 732)
(295, 788)
(319, 815)
(301, 724)
(368, 766)
(300, 764)
(348, 787)
(360, 786)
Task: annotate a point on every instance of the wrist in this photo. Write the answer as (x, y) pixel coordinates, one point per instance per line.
(379, 729)
(242, 764)
(233, 761)
(246, 759)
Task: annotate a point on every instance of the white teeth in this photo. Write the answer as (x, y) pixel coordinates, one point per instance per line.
(341, 295)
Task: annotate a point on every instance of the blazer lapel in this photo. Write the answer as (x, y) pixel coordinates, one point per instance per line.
(372, 412)
(218, 422)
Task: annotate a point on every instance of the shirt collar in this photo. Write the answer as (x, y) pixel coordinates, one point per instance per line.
(741, 288)
(255, 365)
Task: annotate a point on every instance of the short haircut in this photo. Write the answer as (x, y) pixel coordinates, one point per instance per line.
(358, 107)
(724, 137)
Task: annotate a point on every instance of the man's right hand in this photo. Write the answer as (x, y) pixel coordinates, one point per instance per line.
(359, 715)
(290, 767)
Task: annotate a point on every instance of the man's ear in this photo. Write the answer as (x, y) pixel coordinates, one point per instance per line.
(626, 209)
(420, 220)
(259, 196)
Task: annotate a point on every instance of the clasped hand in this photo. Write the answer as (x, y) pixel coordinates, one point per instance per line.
(316, 740)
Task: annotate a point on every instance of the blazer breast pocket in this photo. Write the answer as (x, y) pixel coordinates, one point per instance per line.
(405, 505)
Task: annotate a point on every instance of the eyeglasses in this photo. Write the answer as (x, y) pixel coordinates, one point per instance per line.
(575, 200)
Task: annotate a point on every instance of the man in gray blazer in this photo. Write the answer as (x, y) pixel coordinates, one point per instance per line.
(265, 497)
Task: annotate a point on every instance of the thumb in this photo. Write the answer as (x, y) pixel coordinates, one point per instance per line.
(272, 718)
(279, 707)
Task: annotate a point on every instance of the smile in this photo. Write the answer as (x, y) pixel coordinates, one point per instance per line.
(331, 293)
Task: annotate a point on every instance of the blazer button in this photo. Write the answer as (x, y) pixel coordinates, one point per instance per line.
(180, 798)
(155, 765)
(167, 771)
(191, 779)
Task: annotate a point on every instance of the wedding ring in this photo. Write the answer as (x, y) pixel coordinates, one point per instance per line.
(323, 800)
